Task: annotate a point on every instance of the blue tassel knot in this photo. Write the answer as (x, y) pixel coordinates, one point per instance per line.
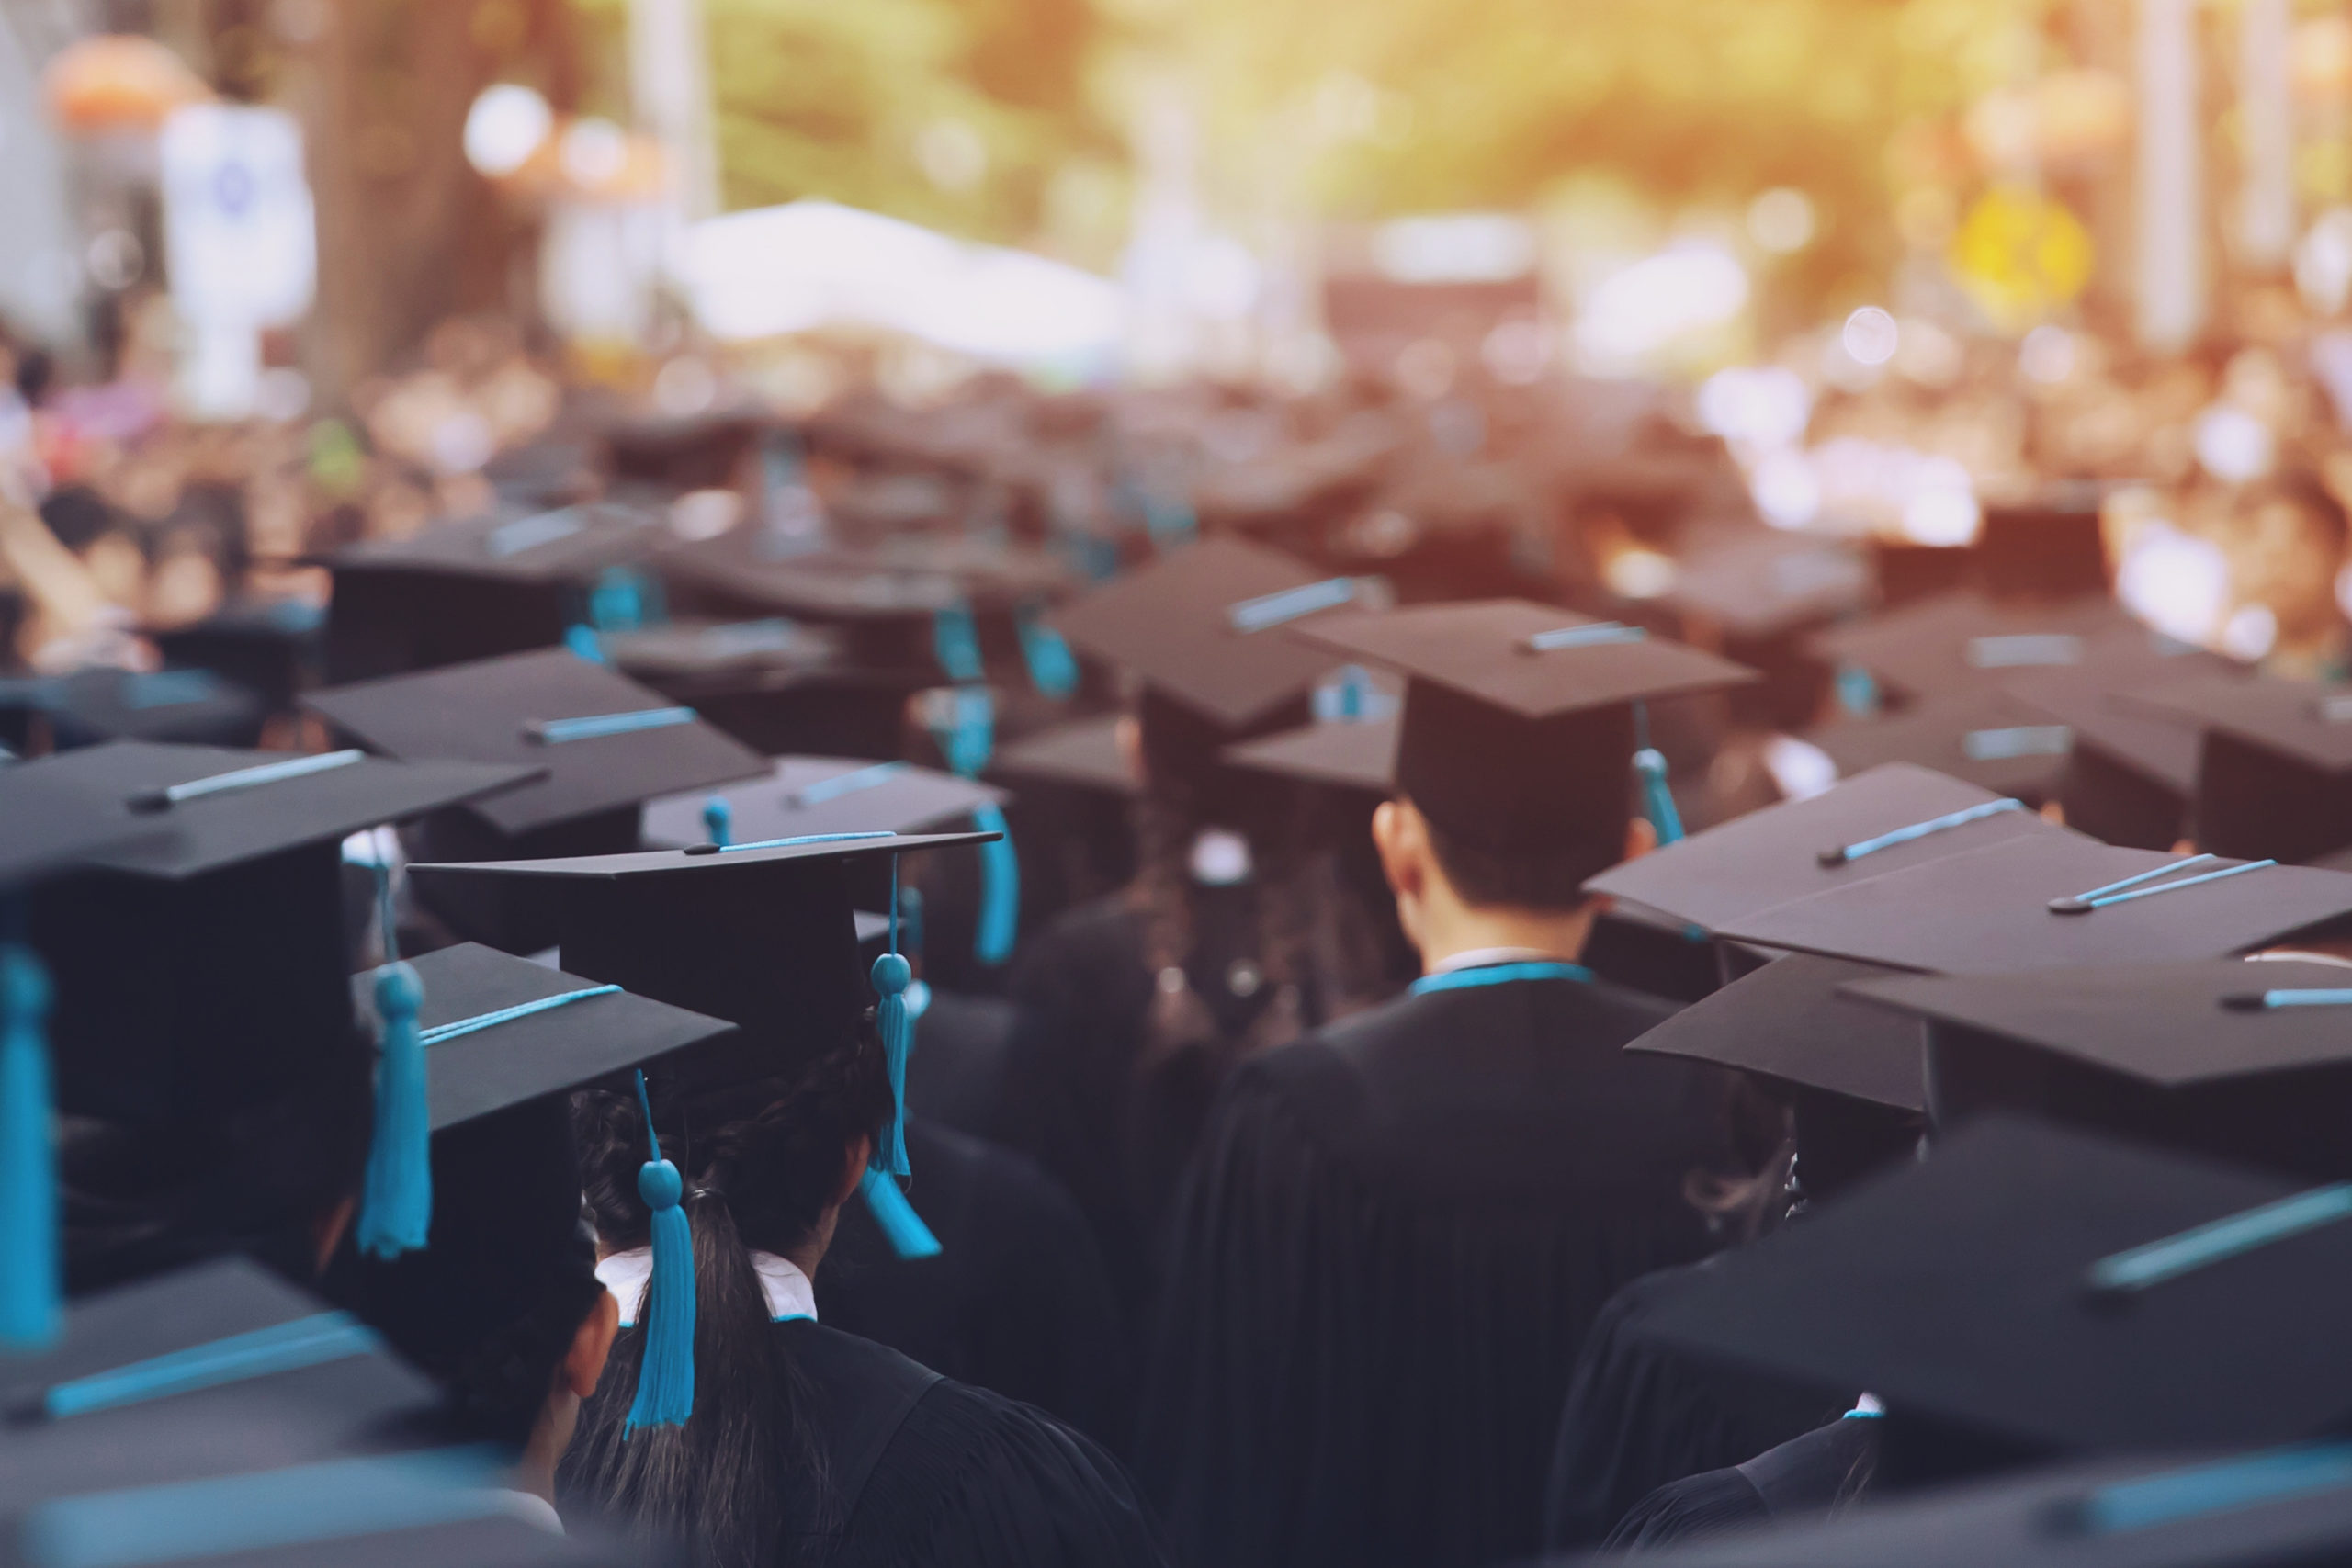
(718, 820)
(396, 1200)
(665, 1378)
(30, 1315)
(892, 974)
(1657, 795)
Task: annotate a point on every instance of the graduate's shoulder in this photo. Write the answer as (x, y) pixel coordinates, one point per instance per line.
(1090, 946)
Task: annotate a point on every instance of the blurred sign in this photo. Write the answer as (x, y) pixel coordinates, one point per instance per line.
(237, 221)
(2020, 255)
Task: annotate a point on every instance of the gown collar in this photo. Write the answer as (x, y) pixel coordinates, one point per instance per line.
(789, 1292)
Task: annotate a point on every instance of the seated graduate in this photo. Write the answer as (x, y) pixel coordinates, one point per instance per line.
(732, 1418)
(1396, 1231)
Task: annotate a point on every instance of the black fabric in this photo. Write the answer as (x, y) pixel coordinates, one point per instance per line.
(959, 1476)
(1641, 1414)
(1017, 1299)
(1508, 783)
(956, 1074)
(1386, 1258)
(1824, 1468)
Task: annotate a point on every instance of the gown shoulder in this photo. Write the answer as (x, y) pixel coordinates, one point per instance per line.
(1824, 1468)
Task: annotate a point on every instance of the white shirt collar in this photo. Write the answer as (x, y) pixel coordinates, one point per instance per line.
(1480, 957)
(789, 1292)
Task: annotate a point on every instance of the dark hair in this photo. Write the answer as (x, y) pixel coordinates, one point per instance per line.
(1527, 878)
(142, 1197)
(761, 1163)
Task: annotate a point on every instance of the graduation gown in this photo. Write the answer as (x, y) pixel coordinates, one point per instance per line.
(955, 1077)
(1015, 1301)
(923, 1472)
(1824, 1468)
(1386, 1255)
(1640, 1415)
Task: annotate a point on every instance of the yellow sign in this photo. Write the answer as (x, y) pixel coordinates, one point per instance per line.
(2020, 255)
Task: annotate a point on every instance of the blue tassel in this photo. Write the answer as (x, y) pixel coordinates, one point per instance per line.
(1657, 795)
(969, 736)
(956, 638)
(1053, 669)
(999, 889)
(892, 975)
(901, 1226)
(30, 1315)
(1857, 691)
(581, 642)
(665, 1378)
(718, 820)
(396, 1200)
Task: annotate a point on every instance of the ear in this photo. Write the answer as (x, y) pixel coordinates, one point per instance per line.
(861, 1155)
(583, 1364)
(1397, 836)
(1641, 836)
(327, 1231)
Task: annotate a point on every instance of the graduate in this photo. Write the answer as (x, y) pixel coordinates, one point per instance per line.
(730, 1416)
(1395, 1233)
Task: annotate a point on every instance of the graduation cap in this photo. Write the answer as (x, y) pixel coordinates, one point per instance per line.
(273, 647)
(1893, 817)
(2029, 1290)
(1852, 1073)
(1351, 754)
(2131, 773)
(1202, 627)
(2045, 544)
(503, 1041)
(2050, 902)
(191, 706)
(1085, 754)
(1517, 714)
(2275, 770)
(1984, 736)
(775, 684)
(697, 452)
(1959, 642)
(489, 586)
(2247, 1061)
(1763, 591)
(604, 743)
(2284, 1504)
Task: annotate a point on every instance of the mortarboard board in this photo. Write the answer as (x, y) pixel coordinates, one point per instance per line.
(1086, 753)
(2049, 901)
(2131, 773)
(2275, 770)
(1077, 781)
(1984, 736)
(2247, 1061)
(1517, 713)
(774, 685)
(1352, 754)
(191, 706)
(1961, 642)
(1762, 591)
(273, 647)
(1202, 625)
(1987, 1292)
(803, 795)
(2257, 1509)
(1890, 817)
(478, 589)
(2043, 545)
(49, 824)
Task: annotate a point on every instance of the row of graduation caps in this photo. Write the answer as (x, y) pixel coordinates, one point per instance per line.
(1951, 879)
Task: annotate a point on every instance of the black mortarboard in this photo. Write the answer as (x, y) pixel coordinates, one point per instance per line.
(1972, 1293)
(777, 685)
(1086, 752)
(2259, 1509)
(803, 795)
(232, 924)
(1761, 592)
(191, 707)
(1983, 735)
(2187, 1054)
(2043, 545)
(49, 824)
(1356, 754)
(1078, 780)
(2131, 773)
(607, 744)
(214, 1369)
(478, 589)
(490, 1303)
(2275, 772)
(705, 451)
(1959, 642)
(1204, 626)
(2050, 900)
(1852, 1073)
(1519, 726)
(273, 647)
(1862, 828)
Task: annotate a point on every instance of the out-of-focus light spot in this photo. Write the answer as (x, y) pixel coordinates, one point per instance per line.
(1425, 368)
(1221, 279)
(2251, 632)
(461, 443)
(2047, 356)
(1781, 221)
(1517, 352)
(1799, 768)
(2175, 581)
(952, 155)
(1871, 337)
(507, 123)
(116, 259)
(1640, 574)
(2232, 446)
(1463, 247)
(2324, 262)
(1927, 355)
(685, 387)
(1941, 514)
(1767, 407)
(706, 513)
(1641, 308)
(1785, 489)
(282, 395)
(593, 152)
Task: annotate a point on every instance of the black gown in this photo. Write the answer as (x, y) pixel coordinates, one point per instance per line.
(922, 1472)
(955, 1077)
(1639, 1414)
(1015, 1301)
(1824, 1468)
(1386, 1256)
